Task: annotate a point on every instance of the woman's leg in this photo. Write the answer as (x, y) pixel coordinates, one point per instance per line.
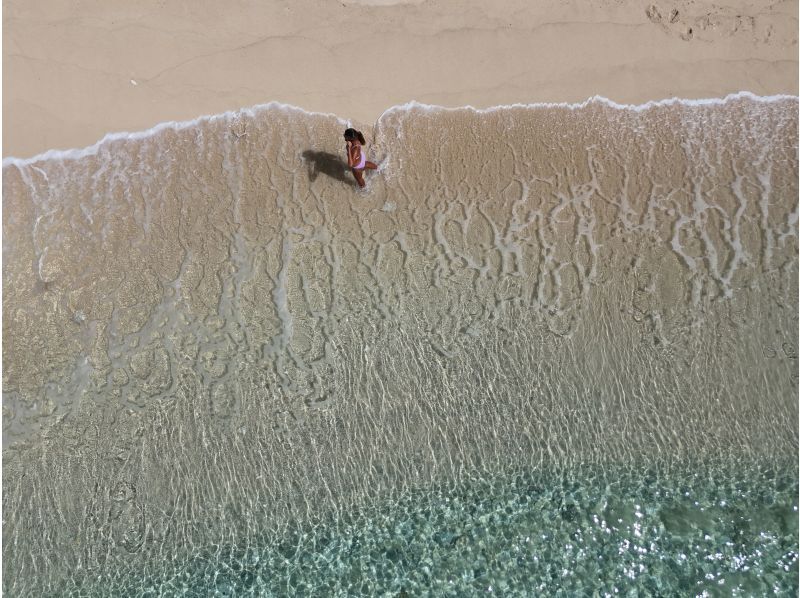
(359, 177)
(370, 165)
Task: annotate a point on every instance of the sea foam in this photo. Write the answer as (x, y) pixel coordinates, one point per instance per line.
(73, 154)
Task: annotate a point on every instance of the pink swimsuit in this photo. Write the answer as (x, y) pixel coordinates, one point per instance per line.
(360, 165)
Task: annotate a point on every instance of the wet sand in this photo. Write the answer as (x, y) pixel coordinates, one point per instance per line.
(523, 287)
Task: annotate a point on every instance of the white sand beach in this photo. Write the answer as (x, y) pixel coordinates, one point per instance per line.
(74, 72)
(219, 352)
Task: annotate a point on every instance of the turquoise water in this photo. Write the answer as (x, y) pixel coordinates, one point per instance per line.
(699, 530)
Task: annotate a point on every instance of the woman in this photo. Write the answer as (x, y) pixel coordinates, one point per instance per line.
(356, 156)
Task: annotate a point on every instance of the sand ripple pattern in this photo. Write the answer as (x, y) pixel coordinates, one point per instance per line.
(209, 331)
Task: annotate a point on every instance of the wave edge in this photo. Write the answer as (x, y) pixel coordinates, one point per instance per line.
(77, 153)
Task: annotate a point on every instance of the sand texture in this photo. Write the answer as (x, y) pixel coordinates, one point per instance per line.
(210, 330)
(211, 335)
(74, 72)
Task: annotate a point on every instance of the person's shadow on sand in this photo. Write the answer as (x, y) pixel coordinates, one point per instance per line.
(326, 163)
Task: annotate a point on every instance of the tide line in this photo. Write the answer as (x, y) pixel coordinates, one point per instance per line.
(74, 154)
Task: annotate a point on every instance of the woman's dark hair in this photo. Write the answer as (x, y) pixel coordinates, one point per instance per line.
(351, 134)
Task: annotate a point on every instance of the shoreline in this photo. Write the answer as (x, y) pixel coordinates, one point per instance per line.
(74, 73)
(522, 287)
(80, 152)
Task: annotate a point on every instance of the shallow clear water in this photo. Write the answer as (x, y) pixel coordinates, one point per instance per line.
(703, 530)
(212, 338)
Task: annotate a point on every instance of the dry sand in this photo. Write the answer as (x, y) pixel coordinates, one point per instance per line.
(73, 72)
